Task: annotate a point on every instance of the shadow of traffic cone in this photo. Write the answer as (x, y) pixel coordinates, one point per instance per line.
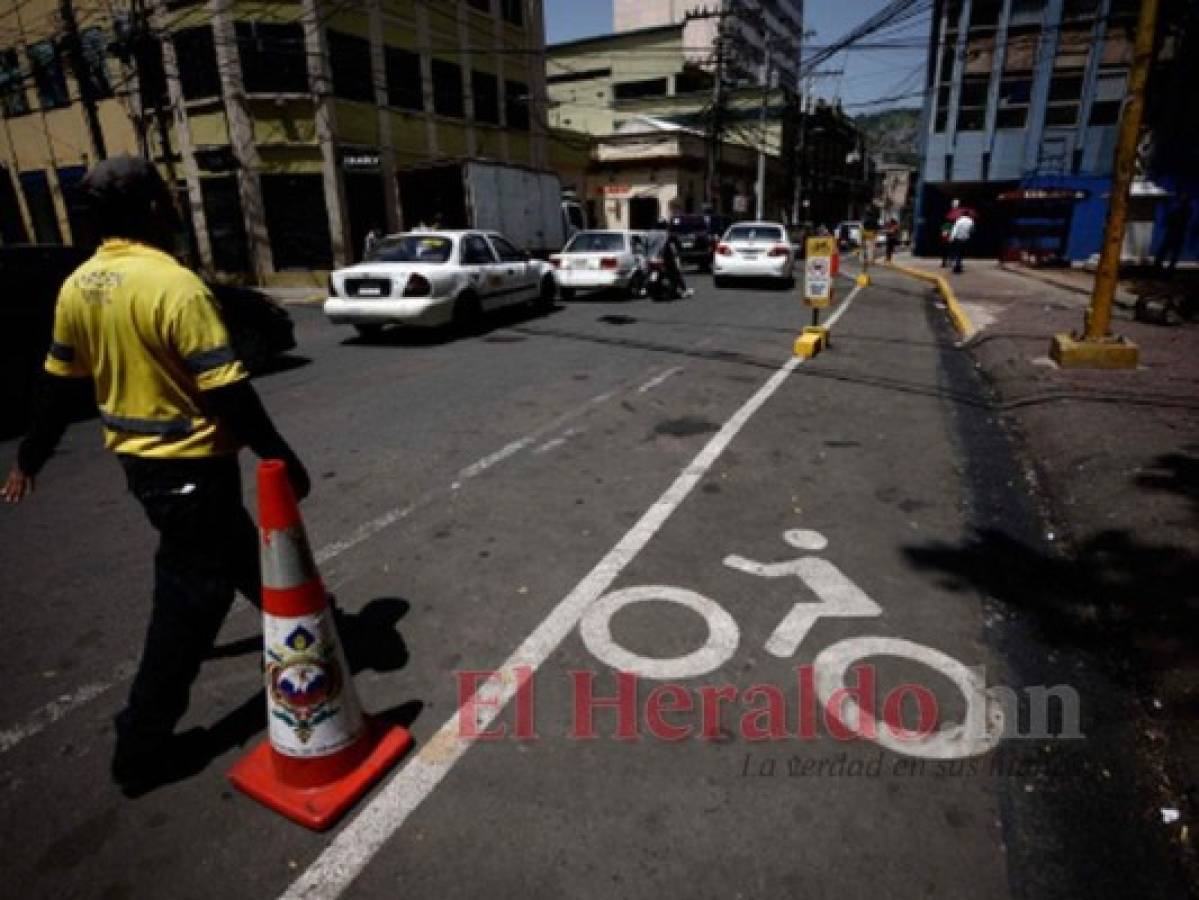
(322, 753)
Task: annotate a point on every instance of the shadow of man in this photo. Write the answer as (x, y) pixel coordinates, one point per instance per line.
(371, 640)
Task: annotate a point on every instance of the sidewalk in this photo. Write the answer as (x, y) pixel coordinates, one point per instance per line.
(1115, 455)
(295, 296)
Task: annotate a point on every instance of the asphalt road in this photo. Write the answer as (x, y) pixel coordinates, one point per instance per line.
(474, 499)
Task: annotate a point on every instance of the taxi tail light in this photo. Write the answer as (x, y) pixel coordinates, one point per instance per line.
(418, 286)
(556, 261)
(609, 262)
(779, 250)
(724, 250)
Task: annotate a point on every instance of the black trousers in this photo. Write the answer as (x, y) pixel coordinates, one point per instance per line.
(207, 551)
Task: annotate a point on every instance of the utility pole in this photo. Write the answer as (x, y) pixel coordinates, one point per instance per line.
(87, 94)
(1098, 348)
(716, 128)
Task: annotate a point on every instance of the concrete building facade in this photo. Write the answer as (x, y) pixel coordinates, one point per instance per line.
(638, 89)
(752, 25)
(1020, 122)
(282, 124)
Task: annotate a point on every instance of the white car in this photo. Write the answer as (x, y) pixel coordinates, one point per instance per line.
(754, 250)
(435, 278)
(601, 260)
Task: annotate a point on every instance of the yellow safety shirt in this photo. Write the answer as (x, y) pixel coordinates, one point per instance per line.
(148, 332)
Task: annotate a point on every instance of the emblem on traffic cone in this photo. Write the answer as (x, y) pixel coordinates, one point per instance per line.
(322, 753)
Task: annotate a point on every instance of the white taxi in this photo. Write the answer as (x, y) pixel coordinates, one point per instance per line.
(601, 260)
(754, 250)
(435, 278)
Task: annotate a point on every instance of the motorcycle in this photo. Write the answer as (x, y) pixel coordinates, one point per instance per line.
(661, 285)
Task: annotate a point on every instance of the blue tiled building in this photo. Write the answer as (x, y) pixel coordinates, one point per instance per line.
(1021, 120)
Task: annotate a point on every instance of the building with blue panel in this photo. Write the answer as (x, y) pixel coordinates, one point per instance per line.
(1020, 122)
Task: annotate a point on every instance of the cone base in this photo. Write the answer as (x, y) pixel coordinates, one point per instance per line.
(319, 808)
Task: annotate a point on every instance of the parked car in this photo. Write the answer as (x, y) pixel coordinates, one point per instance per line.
(434, 279)
(697, 237)
(754, 250)
(601, 260)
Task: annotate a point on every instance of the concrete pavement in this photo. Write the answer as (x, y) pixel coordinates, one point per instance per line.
(467, 491)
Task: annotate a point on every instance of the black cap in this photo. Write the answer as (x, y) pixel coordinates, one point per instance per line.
(127, 178)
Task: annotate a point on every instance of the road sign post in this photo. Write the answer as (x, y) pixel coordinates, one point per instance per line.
(818, 292)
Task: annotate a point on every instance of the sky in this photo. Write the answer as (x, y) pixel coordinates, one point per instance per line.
(868, 74)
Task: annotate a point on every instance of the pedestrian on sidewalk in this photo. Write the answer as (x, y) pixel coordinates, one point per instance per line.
(959, 238)
(955, 210)
(372, 239)
(891, 238)
(1178, 220)
(176, 405)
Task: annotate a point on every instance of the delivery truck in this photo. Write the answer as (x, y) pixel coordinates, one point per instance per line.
(524, 204)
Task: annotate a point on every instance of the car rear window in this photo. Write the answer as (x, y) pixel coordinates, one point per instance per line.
(755, 233)
(596, 242)
(421, 248)
(688, 225)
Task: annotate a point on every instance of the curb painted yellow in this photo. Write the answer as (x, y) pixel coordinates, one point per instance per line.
(957, 315)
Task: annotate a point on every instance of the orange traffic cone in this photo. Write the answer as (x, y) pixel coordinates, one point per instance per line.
(322, 754)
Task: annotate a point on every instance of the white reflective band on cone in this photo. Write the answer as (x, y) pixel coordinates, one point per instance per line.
(312, 706)
(286, 559)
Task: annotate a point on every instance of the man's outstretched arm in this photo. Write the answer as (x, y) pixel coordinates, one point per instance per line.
(51, 412)
(238, 406)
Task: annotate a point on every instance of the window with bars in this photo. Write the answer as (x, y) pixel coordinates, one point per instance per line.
(486, 89)
(517, 104)
(94, 43)
(1015, 95)
(632, 90)
(13, 101)
(274, 57)
(46, 66)
(405, 83)
(350, 66)
(513, 12)
(1110, 88)
(195, 51)
(972, 103)
(448, 95)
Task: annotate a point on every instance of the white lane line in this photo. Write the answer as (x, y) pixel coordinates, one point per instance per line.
(659, 380)
(350, 852)
(47, 715)
(559, 441)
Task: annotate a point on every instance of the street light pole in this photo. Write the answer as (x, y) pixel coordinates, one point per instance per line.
(1098, 348)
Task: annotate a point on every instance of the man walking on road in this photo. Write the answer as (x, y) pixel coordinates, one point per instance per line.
(959, 237)
(1177, 221)
(176, 404)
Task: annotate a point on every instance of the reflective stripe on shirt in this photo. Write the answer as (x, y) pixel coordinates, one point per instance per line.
(208, 360)
(62, 352)
(160, 427)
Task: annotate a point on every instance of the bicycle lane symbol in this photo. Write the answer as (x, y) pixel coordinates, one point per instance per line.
(837, 596)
